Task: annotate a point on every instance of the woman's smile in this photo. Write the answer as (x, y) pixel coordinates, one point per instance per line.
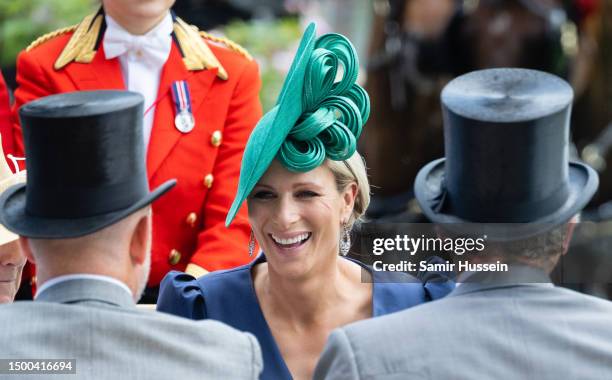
(290, 243)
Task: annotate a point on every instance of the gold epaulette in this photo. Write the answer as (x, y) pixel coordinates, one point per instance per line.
(42, 39)
(81, 46)
(196, 53)
(229, 43)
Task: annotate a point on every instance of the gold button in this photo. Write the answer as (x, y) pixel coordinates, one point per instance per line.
(216, 138)
(192, 218)
(33, 281)
(208, 180)
(174, 257)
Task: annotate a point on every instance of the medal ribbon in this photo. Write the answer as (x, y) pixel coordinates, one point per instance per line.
(181, 96)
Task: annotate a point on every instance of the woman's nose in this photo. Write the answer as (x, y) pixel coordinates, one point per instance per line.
(287, 212)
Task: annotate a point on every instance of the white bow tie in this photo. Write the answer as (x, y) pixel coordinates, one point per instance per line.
(152, 49)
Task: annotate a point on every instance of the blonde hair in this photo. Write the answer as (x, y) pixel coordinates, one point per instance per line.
(348, 171)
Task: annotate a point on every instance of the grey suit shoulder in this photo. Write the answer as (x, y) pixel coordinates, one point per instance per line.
(111, 342)
(514, 332)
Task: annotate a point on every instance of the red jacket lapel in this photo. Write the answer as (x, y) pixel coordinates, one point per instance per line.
(164, 135)
(100, 74)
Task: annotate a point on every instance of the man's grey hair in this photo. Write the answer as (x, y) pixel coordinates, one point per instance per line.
(541, 250)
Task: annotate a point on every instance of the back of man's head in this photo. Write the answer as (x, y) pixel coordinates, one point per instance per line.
(121, 250)
(541, 251)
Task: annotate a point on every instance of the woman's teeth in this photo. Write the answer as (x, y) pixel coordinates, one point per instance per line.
(293, 240)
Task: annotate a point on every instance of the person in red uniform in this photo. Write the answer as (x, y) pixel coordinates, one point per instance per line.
(201, 103)
(5, 118)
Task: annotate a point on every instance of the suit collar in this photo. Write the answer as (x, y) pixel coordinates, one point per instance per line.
(517, 275)
(85, 289)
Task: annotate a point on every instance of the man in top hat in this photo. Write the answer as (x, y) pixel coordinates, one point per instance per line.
(201, 103)
(506, 168)
(85, 220)
(12, 259)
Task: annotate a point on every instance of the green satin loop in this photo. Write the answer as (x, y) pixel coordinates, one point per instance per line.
(320, 75)
(313, 124)
(344, 50)
(301, 156)
(334, 109)
(339, 141)
(360, 97)
(347, 112)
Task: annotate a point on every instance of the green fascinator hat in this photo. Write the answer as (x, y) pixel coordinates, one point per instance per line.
(319, 114)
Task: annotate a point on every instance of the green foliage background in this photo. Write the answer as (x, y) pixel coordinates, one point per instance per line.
(266, 40)
(23, 21)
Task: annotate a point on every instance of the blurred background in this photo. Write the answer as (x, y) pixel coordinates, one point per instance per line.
(409, 49)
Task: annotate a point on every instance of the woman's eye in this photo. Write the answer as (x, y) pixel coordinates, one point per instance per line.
(263, 195)
(307, 194)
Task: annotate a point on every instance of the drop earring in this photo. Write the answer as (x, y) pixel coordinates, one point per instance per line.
(345, 240)
(251, 244)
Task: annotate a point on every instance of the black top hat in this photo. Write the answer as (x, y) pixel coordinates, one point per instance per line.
(506, 134)
(86, 165)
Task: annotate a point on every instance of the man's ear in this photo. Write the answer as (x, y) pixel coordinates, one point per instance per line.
(24, 245)
(348, 196)
(570, 231)
(139, 242)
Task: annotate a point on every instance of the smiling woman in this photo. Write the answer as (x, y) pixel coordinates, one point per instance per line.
(305, 186)
(298, 217)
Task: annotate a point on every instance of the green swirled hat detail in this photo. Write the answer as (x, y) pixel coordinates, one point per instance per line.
(319, 114)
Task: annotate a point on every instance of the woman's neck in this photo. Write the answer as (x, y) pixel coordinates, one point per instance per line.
(307, 300)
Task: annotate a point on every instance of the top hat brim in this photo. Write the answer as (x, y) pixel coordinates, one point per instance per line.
(14, 217)
(583, 182)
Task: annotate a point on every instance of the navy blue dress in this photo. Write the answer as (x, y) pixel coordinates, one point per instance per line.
(229, 297)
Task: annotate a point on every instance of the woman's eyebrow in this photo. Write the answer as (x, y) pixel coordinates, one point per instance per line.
(314, 184)
(262, 185)
(295, 185)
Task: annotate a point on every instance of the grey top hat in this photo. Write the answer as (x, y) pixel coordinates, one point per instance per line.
(506, 135)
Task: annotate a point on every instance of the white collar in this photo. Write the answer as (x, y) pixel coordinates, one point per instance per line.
(81, 276)
(154, 46)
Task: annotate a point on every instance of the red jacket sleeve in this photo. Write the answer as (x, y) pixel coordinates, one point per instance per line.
(31, 84)
(5, 119)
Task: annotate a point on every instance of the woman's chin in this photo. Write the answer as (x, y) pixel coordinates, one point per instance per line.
(289, 262)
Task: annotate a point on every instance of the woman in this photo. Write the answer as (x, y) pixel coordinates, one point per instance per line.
(306, 186)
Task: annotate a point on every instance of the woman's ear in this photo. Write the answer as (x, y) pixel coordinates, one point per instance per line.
(349, 196)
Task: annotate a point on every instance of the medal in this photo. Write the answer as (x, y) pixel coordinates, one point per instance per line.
(184, 120)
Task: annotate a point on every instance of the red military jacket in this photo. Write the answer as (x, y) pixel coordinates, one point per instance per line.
(5, 119)
(188, 222)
